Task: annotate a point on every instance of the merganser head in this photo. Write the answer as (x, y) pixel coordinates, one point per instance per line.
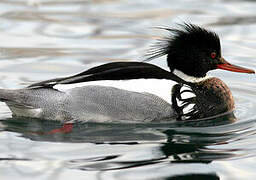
(192, 51)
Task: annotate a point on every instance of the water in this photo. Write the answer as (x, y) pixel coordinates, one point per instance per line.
(41, 39)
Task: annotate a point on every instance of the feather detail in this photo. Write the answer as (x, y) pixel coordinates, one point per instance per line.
(185, 31)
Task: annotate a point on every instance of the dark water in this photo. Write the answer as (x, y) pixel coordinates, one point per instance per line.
(41, 39)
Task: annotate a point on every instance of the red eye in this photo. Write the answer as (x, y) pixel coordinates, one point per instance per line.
(213, 55)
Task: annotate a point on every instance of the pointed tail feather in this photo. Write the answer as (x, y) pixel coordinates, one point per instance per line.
(6, 95)
(13, 98)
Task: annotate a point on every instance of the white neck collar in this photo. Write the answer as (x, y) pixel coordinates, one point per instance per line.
(188, 78)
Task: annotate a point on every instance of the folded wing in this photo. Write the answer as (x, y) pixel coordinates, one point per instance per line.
(113, 71)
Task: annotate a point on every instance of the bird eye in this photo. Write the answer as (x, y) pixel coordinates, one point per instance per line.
(213, 55)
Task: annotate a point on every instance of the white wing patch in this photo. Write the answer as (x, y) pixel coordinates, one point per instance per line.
(161, 88)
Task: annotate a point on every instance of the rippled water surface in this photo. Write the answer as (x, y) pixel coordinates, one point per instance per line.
(41, 39)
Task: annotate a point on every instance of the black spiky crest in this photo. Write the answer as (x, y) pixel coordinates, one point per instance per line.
(188, 48)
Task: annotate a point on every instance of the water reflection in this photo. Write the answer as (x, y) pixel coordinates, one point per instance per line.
(195, 176)
(133, 148)
(179, 147)
(109, 132)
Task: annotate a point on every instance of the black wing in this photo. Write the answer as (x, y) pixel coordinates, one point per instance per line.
(114, 71)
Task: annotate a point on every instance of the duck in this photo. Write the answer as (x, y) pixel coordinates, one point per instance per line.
(191, 52)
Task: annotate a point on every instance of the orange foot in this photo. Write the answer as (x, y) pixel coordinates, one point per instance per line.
(66, 128)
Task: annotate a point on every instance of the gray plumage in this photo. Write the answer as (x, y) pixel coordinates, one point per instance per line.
(88, 103)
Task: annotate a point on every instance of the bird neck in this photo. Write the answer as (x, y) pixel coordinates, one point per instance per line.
(188, 78)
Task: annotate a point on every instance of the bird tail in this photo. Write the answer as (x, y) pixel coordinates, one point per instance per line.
(13, 98)
(7, 95)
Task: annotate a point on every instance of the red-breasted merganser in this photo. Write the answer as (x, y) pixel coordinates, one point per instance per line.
(191, 51)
